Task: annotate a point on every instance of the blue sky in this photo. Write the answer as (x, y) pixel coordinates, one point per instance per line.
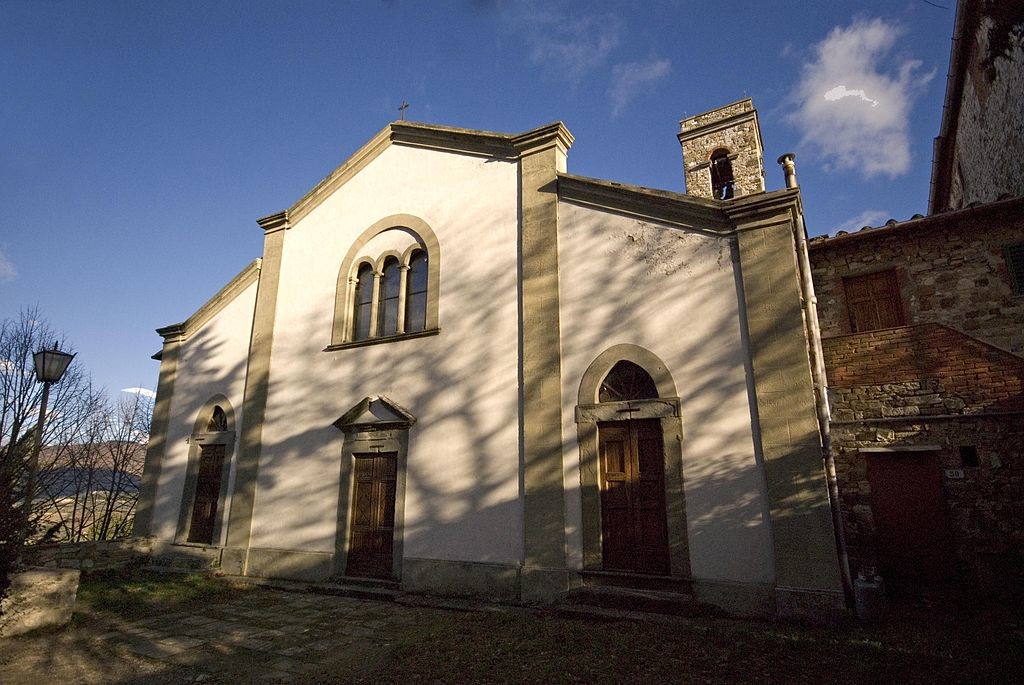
(140, 141)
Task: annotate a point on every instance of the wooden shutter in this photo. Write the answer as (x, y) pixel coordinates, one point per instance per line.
(873, 301)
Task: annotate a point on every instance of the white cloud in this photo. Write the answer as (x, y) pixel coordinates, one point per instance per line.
(562, 40)
(853, 102)
(142, 392)
(869, 217)
(7, 270)
(629, 80)
(841, 91)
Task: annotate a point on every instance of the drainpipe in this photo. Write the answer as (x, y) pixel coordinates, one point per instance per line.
(819, 377)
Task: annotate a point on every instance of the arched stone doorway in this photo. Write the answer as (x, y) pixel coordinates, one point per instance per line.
(206, 477)
(630, 436)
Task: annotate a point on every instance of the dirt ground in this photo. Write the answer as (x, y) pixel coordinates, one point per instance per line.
(265, 635)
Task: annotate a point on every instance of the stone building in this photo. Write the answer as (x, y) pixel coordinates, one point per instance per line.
(922, 325)
(458, 368)
(978, 150)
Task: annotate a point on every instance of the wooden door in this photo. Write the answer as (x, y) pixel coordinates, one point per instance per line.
(873, 301)
(634, 532)
(915, 550)
(371, 543)
(204, 507)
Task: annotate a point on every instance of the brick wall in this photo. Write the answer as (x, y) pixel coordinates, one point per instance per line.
(922, 369)
(950, 269)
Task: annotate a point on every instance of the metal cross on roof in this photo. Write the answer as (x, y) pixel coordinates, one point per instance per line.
(404, 106)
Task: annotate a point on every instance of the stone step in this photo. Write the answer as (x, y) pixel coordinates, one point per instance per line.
(355, 581)
(630, 600)
(383, 591)
(359, 591)
(637, 581)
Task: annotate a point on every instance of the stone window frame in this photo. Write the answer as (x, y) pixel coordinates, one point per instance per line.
(1014, 256)
(666, 409)
(342, 333)
(199, 437)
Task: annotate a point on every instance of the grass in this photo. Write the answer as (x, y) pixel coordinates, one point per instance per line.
(132, 594)
(916, 645)
(540, 647)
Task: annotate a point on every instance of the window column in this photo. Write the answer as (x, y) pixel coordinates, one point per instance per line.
(378, 277)
(403, 285)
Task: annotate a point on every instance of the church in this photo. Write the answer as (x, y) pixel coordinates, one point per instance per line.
(459, 369)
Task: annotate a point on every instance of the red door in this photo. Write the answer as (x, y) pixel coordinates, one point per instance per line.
(634, 533)
(914, 546)
(204, 507)
(370, 552)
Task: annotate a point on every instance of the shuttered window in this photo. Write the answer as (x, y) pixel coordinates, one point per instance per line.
(873, 301)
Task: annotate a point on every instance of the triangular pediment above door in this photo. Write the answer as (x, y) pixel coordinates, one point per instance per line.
(375, 413)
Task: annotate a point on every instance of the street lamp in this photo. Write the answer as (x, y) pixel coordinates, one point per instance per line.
(50, 367)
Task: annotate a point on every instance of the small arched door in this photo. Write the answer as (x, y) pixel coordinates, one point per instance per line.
(631, 455)
(209, 479)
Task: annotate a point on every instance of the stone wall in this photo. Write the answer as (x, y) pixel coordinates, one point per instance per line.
(950, 268)
(97, 555)
(984, 508)
(931, 387)
(986, 166)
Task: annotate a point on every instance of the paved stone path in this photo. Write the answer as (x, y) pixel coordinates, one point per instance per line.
(260, 636)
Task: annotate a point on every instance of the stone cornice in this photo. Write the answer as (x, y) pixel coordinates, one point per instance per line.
(450, 139)
(720, 124)
(544, 137)
(234, 287)
(764, 209)
(444, 138)
(275, 222)
(664, 206)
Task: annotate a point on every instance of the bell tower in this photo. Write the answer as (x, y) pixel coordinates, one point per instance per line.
(722, 152)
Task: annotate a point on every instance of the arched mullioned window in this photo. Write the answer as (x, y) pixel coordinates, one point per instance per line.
(387, 308)
(416, 293)
(388, 283)
(363, 305)
(722, 180)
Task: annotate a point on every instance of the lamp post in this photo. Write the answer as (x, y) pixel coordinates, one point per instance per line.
(50, 367)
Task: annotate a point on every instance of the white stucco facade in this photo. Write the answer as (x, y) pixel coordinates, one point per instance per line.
(534, 274)
(211, 363)
(674, 292)
(462, 497)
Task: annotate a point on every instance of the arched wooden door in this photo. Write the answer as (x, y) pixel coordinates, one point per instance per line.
(634, 528)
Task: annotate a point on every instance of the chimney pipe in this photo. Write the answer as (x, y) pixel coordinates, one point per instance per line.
(788, 168)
